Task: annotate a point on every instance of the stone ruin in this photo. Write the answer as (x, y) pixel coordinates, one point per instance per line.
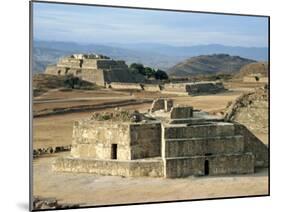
(194, 88)
(191, 88)
(170, 141)
(98, 69)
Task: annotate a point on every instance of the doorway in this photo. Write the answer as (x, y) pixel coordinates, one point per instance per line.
(206, 167)
(114, 151)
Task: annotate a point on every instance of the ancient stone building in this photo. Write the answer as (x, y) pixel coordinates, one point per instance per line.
(169, 141)
(94, 68)
(194, 88)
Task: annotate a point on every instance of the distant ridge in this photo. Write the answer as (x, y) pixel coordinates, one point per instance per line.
(209, 64)
(155, 55)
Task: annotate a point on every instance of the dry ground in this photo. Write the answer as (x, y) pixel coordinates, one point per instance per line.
(89, 189)
(56, 130)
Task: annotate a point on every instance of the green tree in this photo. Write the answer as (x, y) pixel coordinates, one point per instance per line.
(161, 75)
(149, 72)
(137, 67)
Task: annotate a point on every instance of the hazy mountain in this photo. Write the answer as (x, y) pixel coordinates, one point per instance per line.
(47, 52)
(255, 53)
(209, 64)
(150, 54)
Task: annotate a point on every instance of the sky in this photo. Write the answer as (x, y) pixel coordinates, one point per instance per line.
(103, 25)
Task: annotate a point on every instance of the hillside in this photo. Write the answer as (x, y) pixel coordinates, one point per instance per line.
(253, 68)
(251, 110)
(209, 64)
(44, 82)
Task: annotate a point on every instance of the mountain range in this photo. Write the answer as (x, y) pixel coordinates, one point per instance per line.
(159, 56)
(209, 64)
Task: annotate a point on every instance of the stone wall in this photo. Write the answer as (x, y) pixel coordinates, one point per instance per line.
(161, 104)
(94, 139)
(204, 87)
(151, 87)
(209, 165)
(93, 75)
(145, 140)
(133, 168)
(254, 145)
(201, 139)
(70, 63)
(98, 70)
(203, 130)
(181, 112)
(201, 146)
(194, 87)
(176, 87)
(183, 167)
(125, 86)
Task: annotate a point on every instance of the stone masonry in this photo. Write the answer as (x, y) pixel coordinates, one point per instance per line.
(169, 142)
(94, 68)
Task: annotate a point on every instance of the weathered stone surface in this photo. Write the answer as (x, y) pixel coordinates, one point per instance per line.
(97, 69)
(145, 140)
(150, 147)
(161, 104)
(129, 168)
(203, 130)
(217, 165)
(181, 112)
(94, 139)
(125, 86)
(254, 145)
(194, 88)
(203, 146)
(151, 87)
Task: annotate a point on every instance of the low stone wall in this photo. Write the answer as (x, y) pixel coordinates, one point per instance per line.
(133, 168)
(175, 87)
(151, 87)
(194, 88)
(50, 150)
(209, 165)
(125, 86)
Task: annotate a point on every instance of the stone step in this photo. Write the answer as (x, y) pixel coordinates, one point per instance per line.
(199, 130)
(203, 146)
